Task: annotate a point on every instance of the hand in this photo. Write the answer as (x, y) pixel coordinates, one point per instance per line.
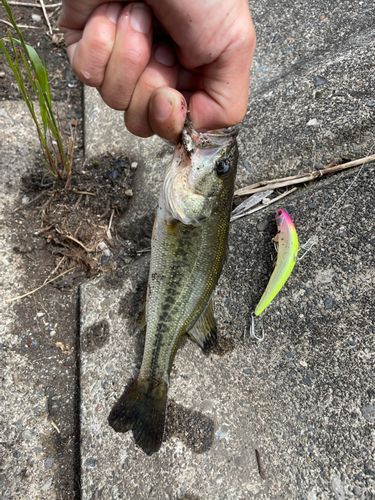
(150, 58)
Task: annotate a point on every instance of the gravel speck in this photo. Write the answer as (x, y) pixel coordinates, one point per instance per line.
(48, 463)
(338, 488)
(319, 80)
(312, 123)
(262, 225)
(307, 381)
(222, 432)
(90, 463)
(47, 484)
(357, 491)
(368, 413)
(328, 303)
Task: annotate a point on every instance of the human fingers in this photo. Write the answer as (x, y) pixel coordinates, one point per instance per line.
(74, 15)
(130, 55)
(223, 99)
(167, 113)
(89, 48)
(215, 41)
(161, 71)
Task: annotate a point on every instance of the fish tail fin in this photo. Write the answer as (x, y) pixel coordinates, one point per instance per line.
(143, 409)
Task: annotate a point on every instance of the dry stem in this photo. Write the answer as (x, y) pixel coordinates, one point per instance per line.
(300, 178)
(44, 284)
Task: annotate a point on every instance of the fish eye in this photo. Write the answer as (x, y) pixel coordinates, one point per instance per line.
(222, 168)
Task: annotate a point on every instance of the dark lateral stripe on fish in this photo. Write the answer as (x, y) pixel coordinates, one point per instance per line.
(187, 254)
(158, 344)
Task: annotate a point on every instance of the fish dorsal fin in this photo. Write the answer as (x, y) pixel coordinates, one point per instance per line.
(205, 332)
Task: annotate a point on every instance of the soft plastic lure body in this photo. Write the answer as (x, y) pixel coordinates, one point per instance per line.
(287, 243)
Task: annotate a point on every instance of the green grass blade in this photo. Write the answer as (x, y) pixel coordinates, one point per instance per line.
(52, 154)
(27, 66)
(38, 67)
(47, 167)
(42, 107)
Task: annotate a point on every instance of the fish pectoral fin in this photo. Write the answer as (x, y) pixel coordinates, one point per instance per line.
(205, 332)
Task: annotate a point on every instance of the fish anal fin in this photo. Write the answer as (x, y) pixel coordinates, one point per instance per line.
(205, 332)
(142, 408)
(140, 320)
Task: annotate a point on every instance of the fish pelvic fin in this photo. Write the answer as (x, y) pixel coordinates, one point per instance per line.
(205, 332)
(142, 408)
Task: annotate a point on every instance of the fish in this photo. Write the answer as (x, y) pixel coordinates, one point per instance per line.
(286, 241)
(188, 250)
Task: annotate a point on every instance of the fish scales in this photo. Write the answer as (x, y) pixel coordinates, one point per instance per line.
(188, 250)
(176, 312)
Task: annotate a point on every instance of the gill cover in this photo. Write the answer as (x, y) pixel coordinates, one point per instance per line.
(200, 166)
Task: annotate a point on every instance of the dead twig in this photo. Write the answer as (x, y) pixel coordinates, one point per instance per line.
(253, 200)
(109, 225)
(44, 229)
(300, 178)
(21, 25)
(261, 470)
(106, 211)
(55, 426)
(46, 16)
(31, 201)
(83, 192)
(262, 206)
(48, 6)
(36, 289)
(78, 202)
(88, 250)
(56, 268)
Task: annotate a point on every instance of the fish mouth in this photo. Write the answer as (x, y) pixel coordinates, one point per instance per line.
(192, 139)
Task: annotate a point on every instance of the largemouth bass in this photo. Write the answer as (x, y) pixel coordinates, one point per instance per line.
(188, 251)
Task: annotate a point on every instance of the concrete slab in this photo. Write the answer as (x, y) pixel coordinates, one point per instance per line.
(24, 426)
(312, 89)
(105, 131)
(304, 397)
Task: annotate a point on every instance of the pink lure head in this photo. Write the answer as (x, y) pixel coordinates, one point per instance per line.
(283, 217)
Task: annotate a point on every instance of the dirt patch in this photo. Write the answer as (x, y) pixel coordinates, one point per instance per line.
(71, 231)
(78, 224)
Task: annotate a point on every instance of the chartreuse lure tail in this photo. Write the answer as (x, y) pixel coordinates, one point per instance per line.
(287, 243)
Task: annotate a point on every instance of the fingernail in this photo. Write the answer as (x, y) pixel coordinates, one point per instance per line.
(162, 105)
(165, 55)
(113, 11)
(140, 18)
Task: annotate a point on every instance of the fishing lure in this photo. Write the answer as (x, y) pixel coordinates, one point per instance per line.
(286, 241)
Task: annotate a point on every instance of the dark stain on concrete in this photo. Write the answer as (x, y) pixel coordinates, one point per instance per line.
(224, 346)
(192, 427)
(95, 336)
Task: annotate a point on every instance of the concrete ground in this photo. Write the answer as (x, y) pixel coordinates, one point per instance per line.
(303, 399)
